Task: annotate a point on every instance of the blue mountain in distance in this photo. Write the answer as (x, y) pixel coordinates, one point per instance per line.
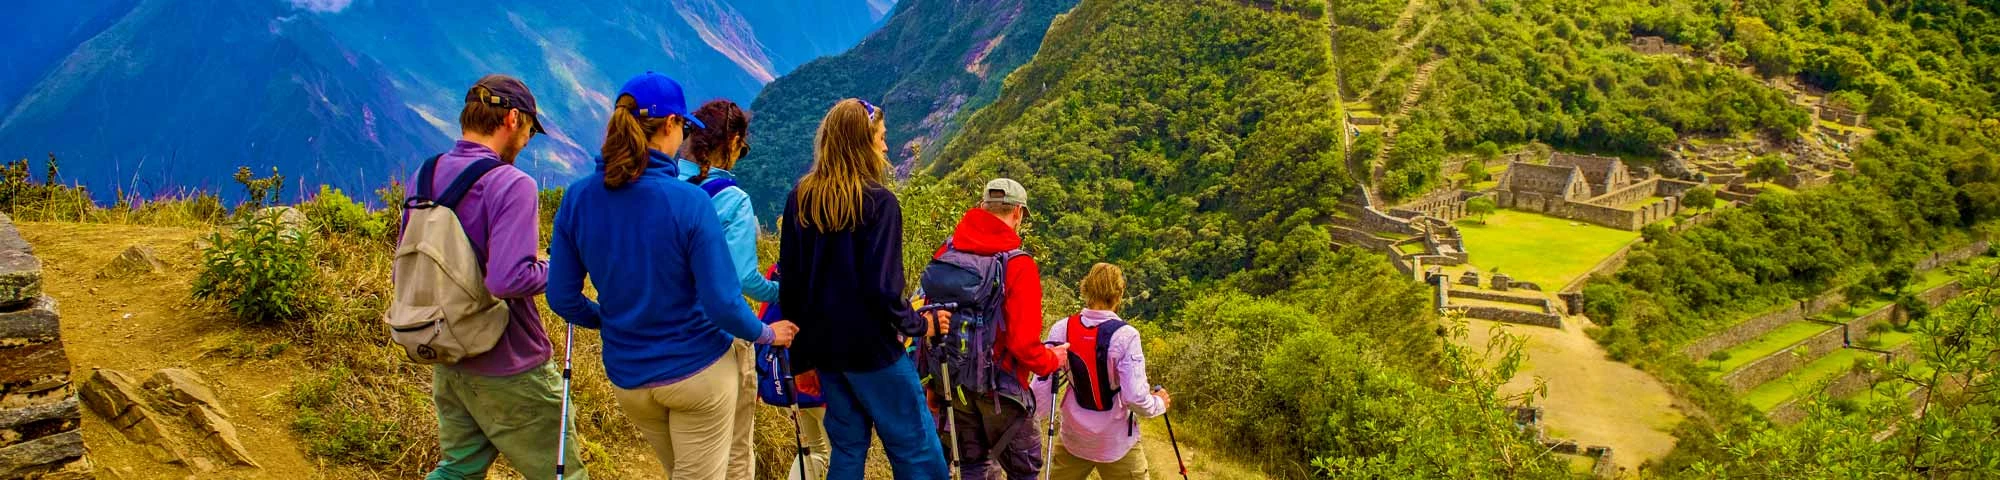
(153, 97)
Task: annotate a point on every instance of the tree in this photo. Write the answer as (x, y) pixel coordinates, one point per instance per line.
(1701, 197)
(1769, 168)
(1475, 172)
(1480, 207)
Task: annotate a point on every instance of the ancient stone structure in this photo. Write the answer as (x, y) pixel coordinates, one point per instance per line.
(1599, 190)
(1759, 325)
(1604, 174)
(1469, 278)
(1651, 45)
(40, 434)
(1359, 120)
(1501, 282)
(1842, 116)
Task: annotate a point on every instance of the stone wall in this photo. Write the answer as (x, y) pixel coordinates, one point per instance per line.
(1858, 327)
(1359, 120)
(1629, 195)
(1960, 254)
(1606, 267)
(1783, 361)
(1534, 302)
(1939, 294)
(1358, 238)
(1744, 331)
(1668, 187)
(1842, 116)
(1509, 315)
(1793, 410)
(1375, 221)
(40, 423)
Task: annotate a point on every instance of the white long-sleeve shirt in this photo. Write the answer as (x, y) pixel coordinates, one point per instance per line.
(1102, 436)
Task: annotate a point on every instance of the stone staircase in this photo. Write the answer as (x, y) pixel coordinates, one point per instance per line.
(1393, 125)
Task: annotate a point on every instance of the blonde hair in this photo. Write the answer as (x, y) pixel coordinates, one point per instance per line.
(1104, 287)
(845, 164)
(625, 139)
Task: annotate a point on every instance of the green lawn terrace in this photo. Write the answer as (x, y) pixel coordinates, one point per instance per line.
(1548, 251)
(1730, 359)
(1828, 372)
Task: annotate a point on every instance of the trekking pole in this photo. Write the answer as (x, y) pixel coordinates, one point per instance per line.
(1048, 440)
(791, 384)
(1170, 438)
(562, 434)
(944, 370)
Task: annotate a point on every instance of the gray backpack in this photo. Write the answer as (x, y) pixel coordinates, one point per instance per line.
(977, 283)
(442, 312)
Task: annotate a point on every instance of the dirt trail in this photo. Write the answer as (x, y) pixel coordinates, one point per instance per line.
(1592, 399)
(143, 324)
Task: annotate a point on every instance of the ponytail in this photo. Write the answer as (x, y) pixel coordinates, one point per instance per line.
(624, 150)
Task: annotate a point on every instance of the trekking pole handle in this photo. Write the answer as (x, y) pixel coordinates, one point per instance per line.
(937, 306)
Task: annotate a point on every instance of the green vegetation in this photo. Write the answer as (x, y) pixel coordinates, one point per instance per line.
(1537, 248)
(1169, 138)
(930, 65)
(262, 272)
(1780, 338)
(1807, 378)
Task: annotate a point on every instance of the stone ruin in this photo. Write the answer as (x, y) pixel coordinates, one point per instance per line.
(1590, 188)
(41, 433)
(1469, 278)
(1653, 45)
(1501, 282)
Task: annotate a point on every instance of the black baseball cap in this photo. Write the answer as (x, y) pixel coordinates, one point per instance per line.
(508, 92)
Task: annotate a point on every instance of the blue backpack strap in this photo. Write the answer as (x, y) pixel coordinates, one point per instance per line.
(464, 182)
(715, 186)
(424, 176)
(1105, 332)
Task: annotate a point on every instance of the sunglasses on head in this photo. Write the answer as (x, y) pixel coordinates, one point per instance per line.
(874, 113)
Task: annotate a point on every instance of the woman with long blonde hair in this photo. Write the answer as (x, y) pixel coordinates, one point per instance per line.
(841, 254)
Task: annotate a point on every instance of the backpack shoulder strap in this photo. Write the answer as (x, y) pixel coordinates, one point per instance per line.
(425, 175)
(464, 182)
(715, 186)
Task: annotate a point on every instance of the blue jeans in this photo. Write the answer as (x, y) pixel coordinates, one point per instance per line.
(889, 402)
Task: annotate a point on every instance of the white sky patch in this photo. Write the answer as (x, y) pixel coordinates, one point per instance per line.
(322, 6)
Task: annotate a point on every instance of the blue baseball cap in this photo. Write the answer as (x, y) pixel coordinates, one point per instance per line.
(658, 96)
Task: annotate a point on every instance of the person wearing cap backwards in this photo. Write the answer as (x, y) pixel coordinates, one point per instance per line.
(668, 303)
(840, 253)
(504, 401)
(999, 428)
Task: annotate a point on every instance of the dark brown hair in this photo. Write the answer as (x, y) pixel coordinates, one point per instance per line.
(625, 138)
(709, 147)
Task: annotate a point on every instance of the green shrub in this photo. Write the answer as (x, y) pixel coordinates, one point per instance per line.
(261, 272)
(333, 213)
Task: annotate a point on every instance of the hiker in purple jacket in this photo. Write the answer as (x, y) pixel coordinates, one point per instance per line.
(504, 401)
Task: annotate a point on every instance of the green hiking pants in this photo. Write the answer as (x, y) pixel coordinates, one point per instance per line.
(481, 417)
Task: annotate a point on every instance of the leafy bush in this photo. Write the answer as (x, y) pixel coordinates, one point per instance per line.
(262, 272)
(333, 213)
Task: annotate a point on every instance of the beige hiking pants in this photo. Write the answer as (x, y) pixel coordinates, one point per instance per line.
(692, 423)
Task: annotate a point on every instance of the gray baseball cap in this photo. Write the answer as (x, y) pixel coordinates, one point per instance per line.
(1005, 190)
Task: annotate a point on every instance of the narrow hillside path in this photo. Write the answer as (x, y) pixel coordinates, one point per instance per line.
(1592, 399)
(143, 324)
(1394, 124)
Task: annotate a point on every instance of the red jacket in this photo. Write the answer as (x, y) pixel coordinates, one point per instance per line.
(1020, 347)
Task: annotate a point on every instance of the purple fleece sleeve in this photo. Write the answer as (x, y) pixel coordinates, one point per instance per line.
(512, 269)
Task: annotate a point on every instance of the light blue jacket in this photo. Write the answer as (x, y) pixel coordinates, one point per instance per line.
(739, 230)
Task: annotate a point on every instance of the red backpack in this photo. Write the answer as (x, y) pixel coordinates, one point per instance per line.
(1093, 379)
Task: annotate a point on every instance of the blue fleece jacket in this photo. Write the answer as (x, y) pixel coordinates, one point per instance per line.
(666, 288)
(739, 228)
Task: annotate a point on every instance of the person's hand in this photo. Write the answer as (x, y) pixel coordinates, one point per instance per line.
(783, 332)
(1166, 400)
(937, 322)
(1061, 351)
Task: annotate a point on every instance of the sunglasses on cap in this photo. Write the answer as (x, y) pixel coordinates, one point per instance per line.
(874, 113)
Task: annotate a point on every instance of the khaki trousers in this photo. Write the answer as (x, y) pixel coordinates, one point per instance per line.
(1068, 467)
(692, 424)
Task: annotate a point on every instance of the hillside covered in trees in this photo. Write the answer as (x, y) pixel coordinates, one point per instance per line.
(931, 64)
